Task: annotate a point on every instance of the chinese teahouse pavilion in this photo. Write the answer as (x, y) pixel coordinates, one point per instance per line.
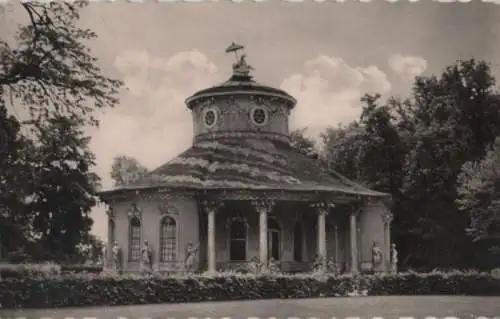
(241, 193)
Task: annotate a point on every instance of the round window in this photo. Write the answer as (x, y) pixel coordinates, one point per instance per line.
(210, 118)
(259, 116)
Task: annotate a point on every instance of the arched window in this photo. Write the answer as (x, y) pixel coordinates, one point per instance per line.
(134, 239)
(168, 239)
(298, 241)
(238, 241)
(274, 238)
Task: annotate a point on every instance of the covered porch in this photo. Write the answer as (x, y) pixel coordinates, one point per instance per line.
(293, 235)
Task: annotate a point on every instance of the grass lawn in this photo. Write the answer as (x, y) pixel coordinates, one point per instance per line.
(325, 308)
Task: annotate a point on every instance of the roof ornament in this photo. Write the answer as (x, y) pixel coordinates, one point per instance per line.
(240, 67)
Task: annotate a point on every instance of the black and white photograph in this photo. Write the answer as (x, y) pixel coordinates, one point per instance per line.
(249, 159)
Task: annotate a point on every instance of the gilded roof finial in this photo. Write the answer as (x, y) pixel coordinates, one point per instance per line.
(240, 67)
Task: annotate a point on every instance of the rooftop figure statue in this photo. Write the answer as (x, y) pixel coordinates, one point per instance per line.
(240, 67)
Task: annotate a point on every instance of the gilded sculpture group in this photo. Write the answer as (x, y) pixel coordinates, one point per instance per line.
(146, 260)
(190, 261)
(377, 258)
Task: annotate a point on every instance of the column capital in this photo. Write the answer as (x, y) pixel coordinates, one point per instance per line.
(110, 212)
(211, 205)
(387, 217)
(263, 205)
(356, 212)
(322, 207)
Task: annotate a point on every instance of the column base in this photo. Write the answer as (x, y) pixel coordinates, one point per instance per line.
(210, 272)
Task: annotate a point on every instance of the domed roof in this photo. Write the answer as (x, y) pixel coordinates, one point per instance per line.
(240, 82)
(246, 164)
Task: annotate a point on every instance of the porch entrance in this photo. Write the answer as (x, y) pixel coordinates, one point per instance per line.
(274, 239)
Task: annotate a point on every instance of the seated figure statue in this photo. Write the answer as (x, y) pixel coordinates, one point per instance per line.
(273, 265)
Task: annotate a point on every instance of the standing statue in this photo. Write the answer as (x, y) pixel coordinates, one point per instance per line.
(394, 258)
(254, 267)
(190, 257)
(319, 264)
(103, 259)
(146, 258)
(376, 257)
(117, 257)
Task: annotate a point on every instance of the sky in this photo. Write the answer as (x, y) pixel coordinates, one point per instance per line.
(327, 55)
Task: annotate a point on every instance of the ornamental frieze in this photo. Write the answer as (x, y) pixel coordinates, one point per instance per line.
(202, 137)
(229, 99)
(168, 194)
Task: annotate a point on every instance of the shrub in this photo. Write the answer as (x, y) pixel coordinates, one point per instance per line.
(29, 270)
(78, 290)
(81, 269)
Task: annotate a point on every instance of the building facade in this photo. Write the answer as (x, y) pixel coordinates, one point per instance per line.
(242, 193)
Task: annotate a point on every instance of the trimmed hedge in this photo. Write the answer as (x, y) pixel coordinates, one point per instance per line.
(81, 269)
(29, 270)
(44, 270)
(93, 290)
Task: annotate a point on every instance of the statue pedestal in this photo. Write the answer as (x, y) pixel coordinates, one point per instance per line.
(378, 268)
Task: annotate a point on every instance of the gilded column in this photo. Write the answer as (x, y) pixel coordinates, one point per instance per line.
(336, 238)
(387, 218)
(111, 236)
(322, 236)
(263, 207)
(322, 209)
(211, 208)
(354, 244)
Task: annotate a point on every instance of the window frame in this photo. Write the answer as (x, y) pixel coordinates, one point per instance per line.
(162, 242)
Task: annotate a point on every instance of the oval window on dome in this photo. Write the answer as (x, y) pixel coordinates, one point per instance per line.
(210, 118)
(259, 116)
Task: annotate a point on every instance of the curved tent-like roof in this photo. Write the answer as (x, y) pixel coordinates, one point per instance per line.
(244, 162)
(239, 84)
(248, 164)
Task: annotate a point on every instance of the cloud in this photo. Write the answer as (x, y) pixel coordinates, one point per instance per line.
(152, 122)
(328, 91)
(407, 66)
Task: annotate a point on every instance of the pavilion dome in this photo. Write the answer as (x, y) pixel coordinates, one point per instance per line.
(240, 84)
(242, 142)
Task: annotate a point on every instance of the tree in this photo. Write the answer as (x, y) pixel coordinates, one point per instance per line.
(414, 149)
(50, 70)
(479, 199)
(46, 188)
(342, 146)
(455, 119)
(479, 193)
(126, 170)
(303, 144)
(15, 179)
(370, 150)
(92, 250)
(65, 189)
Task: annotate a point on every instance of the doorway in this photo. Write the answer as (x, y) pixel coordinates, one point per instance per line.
(274, 239)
